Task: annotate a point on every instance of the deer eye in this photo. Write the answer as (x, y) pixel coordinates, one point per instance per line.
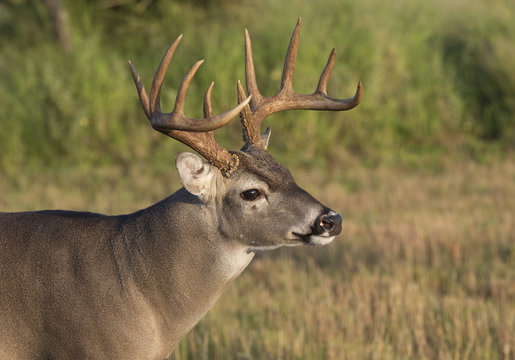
(251, 195)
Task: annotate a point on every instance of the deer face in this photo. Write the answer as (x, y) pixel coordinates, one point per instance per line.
(260, 205)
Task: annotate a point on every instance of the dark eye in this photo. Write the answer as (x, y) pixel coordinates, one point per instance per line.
(250, 195)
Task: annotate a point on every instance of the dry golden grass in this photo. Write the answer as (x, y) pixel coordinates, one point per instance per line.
(425, 268)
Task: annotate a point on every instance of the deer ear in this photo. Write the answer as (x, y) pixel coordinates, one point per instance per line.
(196, 176)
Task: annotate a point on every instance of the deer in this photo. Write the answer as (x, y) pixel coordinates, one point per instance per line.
(82, 285)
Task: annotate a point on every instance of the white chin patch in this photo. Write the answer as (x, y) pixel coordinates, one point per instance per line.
(320, 240)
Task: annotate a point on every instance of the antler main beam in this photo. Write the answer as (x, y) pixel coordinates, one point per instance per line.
(196, 133)
(287, 99)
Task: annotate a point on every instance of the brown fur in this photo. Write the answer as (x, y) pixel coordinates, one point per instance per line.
(88, 286)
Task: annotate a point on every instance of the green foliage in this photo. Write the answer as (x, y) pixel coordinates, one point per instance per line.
(481, 55)
(438, 77)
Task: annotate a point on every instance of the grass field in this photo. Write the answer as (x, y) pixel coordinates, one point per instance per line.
(423, 170)
(424, 269)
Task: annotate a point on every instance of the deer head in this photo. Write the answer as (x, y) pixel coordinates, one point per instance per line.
(248, 185)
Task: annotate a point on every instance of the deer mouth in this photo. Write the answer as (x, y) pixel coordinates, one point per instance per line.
(325, 228)
(312, 239)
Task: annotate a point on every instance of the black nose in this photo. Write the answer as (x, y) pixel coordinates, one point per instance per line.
(329, 223)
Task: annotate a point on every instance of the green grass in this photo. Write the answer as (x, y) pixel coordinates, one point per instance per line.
(438, 79)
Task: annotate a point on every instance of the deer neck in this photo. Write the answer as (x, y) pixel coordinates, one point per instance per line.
(185, 262)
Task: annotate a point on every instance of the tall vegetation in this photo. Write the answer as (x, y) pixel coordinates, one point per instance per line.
(438, 77)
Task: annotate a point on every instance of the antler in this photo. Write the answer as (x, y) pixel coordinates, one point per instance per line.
(196, 133)
(286, 99)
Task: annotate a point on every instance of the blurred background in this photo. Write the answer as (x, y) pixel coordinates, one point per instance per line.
(423, 169)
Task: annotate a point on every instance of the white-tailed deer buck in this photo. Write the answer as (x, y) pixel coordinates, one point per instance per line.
(77, 285)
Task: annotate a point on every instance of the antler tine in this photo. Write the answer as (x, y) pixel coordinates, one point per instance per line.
(287, 98)
(157, 82)
(324, 78)
(180, 100)
(250, 126)
(250, 72)
(290, 60)
(208, 109)
(142, 93)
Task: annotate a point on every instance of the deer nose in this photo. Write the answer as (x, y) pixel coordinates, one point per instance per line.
(329, 223)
